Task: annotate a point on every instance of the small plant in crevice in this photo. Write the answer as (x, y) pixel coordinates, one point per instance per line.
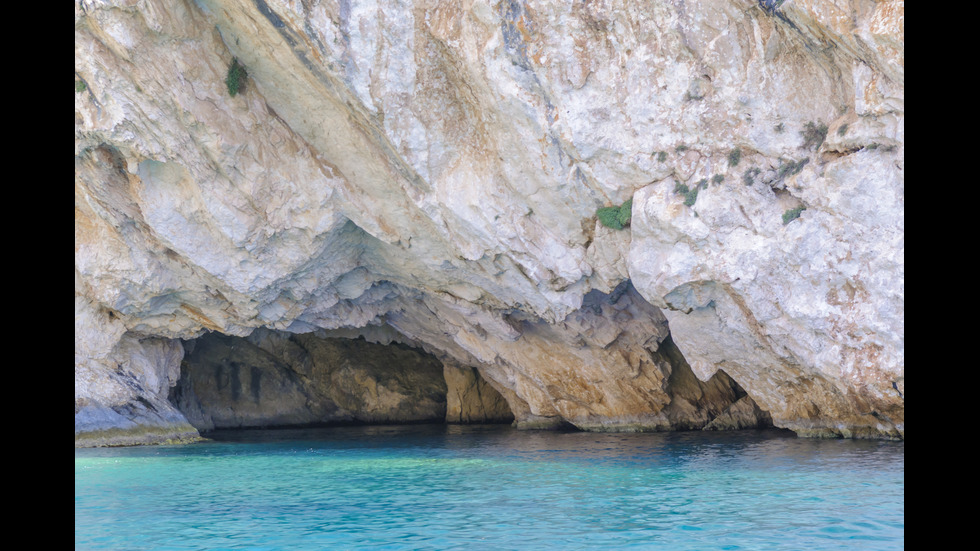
(790, 168)
(717, 179)
(662, 156)
(813, 134)
(691, 197)
(842, 130)
(750, 175)
(779, 128)
(734, 157)
(690, 194)
(625, 212)
(616, 218)
(235, 81)
(80, 86)
(680, 149)
(609, 216)
(792, 214)
(702, 183)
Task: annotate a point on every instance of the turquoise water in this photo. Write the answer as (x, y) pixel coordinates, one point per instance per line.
(437, 487)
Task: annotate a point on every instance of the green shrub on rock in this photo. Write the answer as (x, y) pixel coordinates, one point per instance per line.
(236, 77)
(609, 216)
(616, 218)
(690, 194)
(813, 134)
(792, 214)
(691, 197)
(789, 168)
(750, 175)
(734, 157)
(625, 212)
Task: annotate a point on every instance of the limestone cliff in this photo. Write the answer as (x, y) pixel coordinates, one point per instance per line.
(429, 173)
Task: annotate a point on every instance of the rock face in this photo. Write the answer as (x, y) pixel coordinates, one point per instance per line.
(471, 399)
(429, 174)
(274, 379)
(121, 385)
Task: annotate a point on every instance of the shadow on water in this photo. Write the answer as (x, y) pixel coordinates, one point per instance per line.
(768, 447)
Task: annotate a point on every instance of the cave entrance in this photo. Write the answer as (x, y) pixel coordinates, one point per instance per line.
(279, 379)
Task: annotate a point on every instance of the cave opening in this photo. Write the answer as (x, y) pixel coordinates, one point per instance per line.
(275, 379)
(611, 366)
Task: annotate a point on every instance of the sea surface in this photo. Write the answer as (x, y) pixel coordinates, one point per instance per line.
(494, 488)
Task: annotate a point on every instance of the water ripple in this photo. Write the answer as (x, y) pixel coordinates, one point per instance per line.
(482, 488)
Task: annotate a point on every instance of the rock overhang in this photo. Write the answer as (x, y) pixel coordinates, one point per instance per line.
(460, 186)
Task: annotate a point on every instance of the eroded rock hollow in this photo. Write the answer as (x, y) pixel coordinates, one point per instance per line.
(282, 379)
(615, 215)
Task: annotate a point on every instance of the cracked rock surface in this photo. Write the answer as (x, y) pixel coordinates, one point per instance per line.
(428, 174)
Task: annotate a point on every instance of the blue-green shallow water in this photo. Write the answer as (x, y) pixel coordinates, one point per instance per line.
(437, 487)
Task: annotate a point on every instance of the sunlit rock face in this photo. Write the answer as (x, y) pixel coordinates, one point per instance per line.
(122, 383)
(429, 173)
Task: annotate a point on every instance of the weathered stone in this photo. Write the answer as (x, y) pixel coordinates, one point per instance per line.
(430, 173)
(126, 404)
(470, 399)
(274, 379)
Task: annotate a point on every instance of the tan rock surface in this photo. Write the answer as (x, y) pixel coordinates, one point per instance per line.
(471, 399)
(275, 379)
